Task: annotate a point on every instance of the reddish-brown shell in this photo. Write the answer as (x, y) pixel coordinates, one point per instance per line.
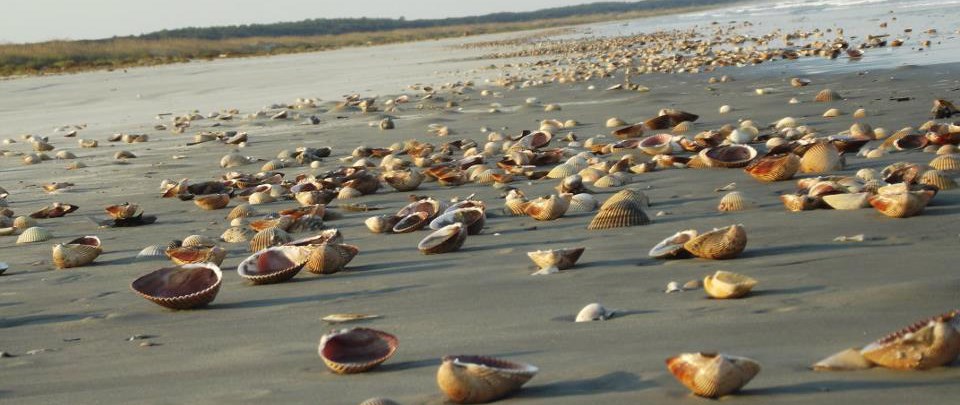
(182, 287)
(356, 350)
(447, 239)
(196, 254)
(774, 167)
(902, 205)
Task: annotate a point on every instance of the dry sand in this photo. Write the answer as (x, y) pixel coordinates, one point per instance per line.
(257, 344)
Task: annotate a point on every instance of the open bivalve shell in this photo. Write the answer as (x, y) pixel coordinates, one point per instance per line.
(552, 261)
(356, 350)
(447, 239)
(730, 156)
(471, 217)
(477, 379)
(273, 265)
(901, 205)
(672, 247)
(77, 253)
(182, 287)
(775, 167)
(712, 375)
(926, 344)
(719, 244)
(196, 254)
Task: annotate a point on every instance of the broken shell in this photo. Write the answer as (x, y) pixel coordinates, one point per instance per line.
(712, 375)
(852, 201)
(549, 261)
(593, 312)
(672, 247)
(730, 156)
(33, 235)
(479, 379)
(547, 208)
(727, 285)
(77, 253)
(447, 239)
(269, 237)
(735, 201)
(775, 167)
(923, 345)
(212, 202)
(356, 350)
(196, 254)
(719, 244)
(847, 360)
(273, 265)
(821, 158)
(330, 258)
(181, 287)
(901, 205)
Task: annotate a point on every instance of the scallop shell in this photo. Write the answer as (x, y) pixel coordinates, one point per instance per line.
(727, 285)
(562, 171)
(851, 201)
(672, 247)
(902, 205)
(924, 345)
(730, 156)
(269, 237)
(447, 239)
(946, 163)
(847, 360)
(33, 235)
(938, 179)
(735, 201)
(719, 244)
(547, 208)
(407, 180)
(182, 287)
(273, 265)
(242, 211)
(356, 350)
(775, 167)
(593, 312)
(477, 379)
(827, 95)
(471, 217)
(77, 253)
(556, 259)
(381, 223)
(582, 203)
(712, 375)
(236, 234)
(628, 195)
(821, 158)
(619, 214)
(212, 202)
(330, 258)
(198, 241)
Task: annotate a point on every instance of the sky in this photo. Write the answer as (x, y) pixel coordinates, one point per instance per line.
(41, 20)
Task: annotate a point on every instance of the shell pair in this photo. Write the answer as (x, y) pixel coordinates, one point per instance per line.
(719, 244)
(712, 375)
(77, 253)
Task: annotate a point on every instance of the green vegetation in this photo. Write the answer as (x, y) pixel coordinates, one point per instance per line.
(183, 45)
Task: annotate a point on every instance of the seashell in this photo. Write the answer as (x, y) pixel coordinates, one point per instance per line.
(411, 223)
(236, 234)
(628, 195)
(269, 237)
(356, 350)
(198, 241)
(615, 122)
(478, 379)
(306, 223)
(902, 205)
(786, 122)
(719, 244)
(212, 202)
(861, 130)
(924, 345)
(65, 154)
(608, 182)
(234, 159)
(77, 253)
(852, 201)
(582, 202)
(727, 285)
(741, 136)
(672, 247)
(821, 158)
(123, 211)
(938, 179)
(725, 109)
(182, 287)
(656, 145)
(735, 201)
(242, 211)
(471, 217)
(379, 401)
(535, 140)
(152, 251)
(799, 82)
(910, 142)
(87, 143)
(593, 312)
(832, 113)
(196, 254)
(946, 163)
(728, 156)
(122, 154)
(847, 360)
(342, 318)
(381, 223)
(774, 167)
(552, 261)
(562, 171)
(866, 175)
(329, 258)
(827, 95)
(332, 236)
(271, 165)
(260, 197)
(3, 267)
(406, 180)
(591, 174)
(273, 265)
(447, 239)
(712, 375)
(34, 234)
(23, 222)
(547, 208)
(619, 214)
(948, 150)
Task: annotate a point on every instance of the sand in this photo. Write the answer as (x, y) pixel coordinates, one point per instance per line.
(257, 344)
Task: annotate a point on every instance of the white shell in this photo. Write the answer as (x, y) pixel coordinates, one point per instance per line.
(593, 312)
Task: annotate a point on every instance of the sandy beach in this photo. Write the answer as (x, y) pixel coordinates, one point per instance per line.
(76, 335)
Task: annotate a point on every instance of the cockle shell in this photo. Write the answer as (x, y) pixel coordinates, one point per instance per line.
(730, 156)
(23, 222)
(552, 261)
(827, 95)
(593, 312)
(776, 167)
(198, 241)
(269, 237)
(851, 201)
(821, 158)
(212, 202)
(847, 360)
(329, 258)
(236, 234)
(727, 285)
(712, 375)
(405, 180)
(332, 236)
(429, 206)
(182, 287)
(123, 211)
(515, 203)
(901, 205)
(735, 201)
(196, 254)
(356, 350)
(471, 217)
(447, 239)
(672, 247)
(938, 179)
(608, 181)
(562, 171)
(719, 244)
(260, 197)
(656, 145)
(628, 195)
(242, 211)
(411, 223)
(33, 235)
(77, 253)
(273, 265)
(946, 163)
(153, 251)
(381, 223)
(234, 160)
(582, 202)
(923, 345)
(619, 214)
(547, 208)
(477, 379)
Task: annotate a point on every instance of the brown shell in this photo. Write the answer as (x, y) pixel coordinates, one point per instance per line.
(447, 239)
(902, 205)
(547, 208)
(212, 202)
(242, 211)
(55, 210)
(269, 237)
(77, 253)
(630, 131)
(182, 287)
(729, 156)
(330, 258)
(927, 344)
(196, 254)
(411, 223)
(712, 375)
(774, 167)
(356, 350)
(821, 158)
(561, 259)
(827, 95)
(123, 211)
(799, 202)
(479, 379)
(946, 163)
(273, 265)
(619, 214)
(719, 244)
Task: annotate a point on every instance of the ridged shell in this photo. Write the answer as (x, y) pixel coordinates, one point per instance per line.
(477, 379)
(260, 197)
(628, 195)
(719, 244)
(562, 171)
(515, 206)
(727, 285)
(242, 211)
(619, 214)
(776, 167)
(330, 258)
(198, 241)
(946, 163)
(547, 208)
(827, 95)
(273, 265)
(233, 160)
(901, 205)
(23, 222)
(403, 181)
(559, 259)
(608, 181)
(938, 179)
(236, 234)
(656, 145)
(275, 164)
(33, 235)
(591, 174)
(672, 247)
(850, 201)
(153, 251)
(582, 203)
(799, 202)
(181, 287)
(379, 401)
(821, 158)
(447, 239)
(212, 202)
(269, 237)
(735, 201)
(356, 350)
(196, 254)
(712, 375)
(730, 156)
(77, 253)
(923, 345)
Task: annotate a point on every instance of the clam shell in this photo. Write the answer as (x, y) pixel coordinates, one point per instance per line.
(330, 258)
(332, 236)
(198, 241)
(821, 158)
(852, 201)
(847, 360)
(406, 180)
(727, 285)
(77, 253)
(582, 203)
(275, 164)
(619, 214)
(196, 254)
(379, 401)
(356, 350)
(562, 171)
(712, 375)
(735, 201)
(827, 95)
(429, 206)
(212, 202)
(799, 202)
(591, 174)
(924, 345)
(306, 223)
(260, 197)
(659, 144)
(182, 287)
(547, 208)
(559, 259)
(447, 239)
(411, 223)
(902, 205)
(946, 163)
(629, 195)
(273, 265)
(730, 156)
(381, 223)
(471, 217)
(269, 237)
(593, 312)
(236, 234)
(152, 251)
(515, 206)
(477, 379)
(242, 211)
(33, 235)
(672, 247)
(776, 167)
(938, 179)
(234, 160)
(608, 181)
(23, 222)
(719, 244)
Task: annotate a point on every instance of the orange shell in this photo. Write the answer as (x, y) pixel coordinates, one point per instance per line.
(330, 258)
(712, 375)
(777, 167)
